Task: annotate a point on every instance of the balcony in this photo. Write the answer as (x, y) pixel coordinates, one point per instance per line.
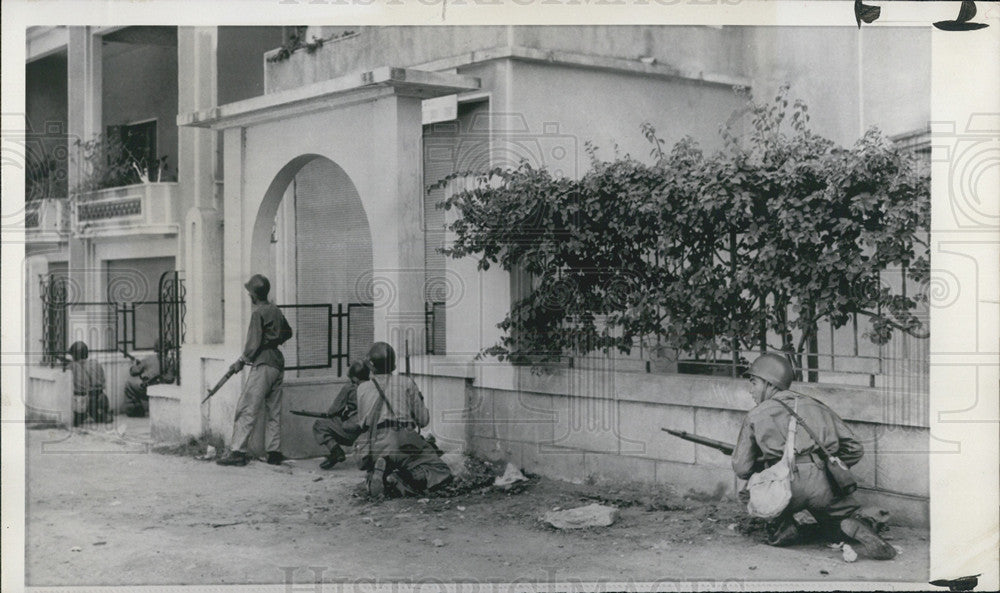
(142, 209)
(46, 221)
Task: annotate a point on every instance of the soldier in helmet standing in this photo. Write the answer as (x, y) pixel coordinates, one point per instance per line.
(268, 330)
(391, 410)
(761, 444)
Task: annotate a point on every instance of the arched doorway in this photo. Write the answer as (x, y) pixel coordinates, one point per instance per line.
(313, 233)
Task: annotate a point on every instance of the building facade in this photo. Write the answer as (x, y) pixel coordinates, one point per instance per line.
(318, 167)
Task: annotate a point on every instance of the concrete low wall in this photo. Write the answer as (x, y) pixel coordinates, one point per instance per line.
(48, 395)
(580, 424)
(177, 412)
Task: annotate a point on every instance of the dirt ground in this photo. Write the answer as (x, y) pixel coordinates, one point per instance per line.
(103, 509)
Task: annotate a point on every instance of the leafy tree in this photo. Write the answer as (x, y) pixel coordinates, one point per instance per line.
(778, 231)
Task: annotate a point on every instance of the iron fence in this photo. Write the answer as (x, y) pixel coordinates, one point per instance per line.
(326, 336)
(111, 326)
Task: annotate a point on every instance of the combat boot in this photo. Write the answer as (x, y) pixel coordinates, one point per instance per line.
(336, 456)
(234, 458)
(275, 457)
(785, 533)
(875, 547)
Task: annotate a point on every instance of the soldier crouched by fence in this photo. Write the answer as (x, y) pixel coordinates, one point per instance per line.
(762, 443)
(89, 398)
(340, 428)
(142, 374)
(391, 408)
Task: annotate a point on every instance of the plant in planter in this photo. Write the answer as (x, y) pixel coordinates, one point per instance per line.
(107, 162)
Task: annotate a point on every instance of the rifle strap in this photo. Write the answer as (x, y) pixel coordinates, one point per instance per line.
(819, 445)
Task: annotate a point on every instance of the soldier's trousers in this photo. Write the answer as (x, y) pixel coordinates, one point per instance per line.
(336, 431)
(135, 393)
(261, 397)
(811, 491)
(413, 458)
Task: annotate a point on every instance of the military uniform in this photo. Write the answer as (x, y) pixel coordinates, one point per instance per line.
(761, 444)
(142, 373)
(89, 398)
(342, 427)
(409, 457)
(268, 330)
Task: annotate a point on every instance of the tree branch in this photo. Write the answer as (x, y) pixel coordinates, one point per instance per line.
(902, 328)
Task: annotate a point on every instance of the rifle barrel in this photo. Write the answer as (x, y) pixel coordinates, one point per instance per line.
(725, 448)
(309, 414)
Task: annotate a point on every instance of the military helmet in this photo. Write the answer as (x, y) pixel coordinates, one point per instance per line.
(79, 351)
(258, 286)
(773, 368)
(358, 370)
(382, 357)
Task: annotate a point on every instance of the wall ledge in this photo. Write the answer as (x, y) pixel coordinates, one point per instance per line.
(853, 403)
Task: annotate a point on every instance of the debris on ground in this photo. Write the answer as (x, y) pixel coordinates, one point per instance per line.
(849, 554)
(456, 463)
(804, 518)
(476, 475)
(438, 543)
(510, 476)
(194, 447)
(76, 549)
(592, 515)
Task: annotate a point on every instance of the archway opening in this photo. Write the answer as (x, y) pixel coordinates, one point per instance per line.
(312, 235)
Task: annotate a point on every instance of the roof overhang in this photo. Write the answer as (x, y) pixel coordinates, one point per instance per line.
(337, 92)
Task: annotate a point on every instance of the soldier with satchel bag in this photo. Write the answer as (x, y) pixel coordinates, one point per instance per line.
(819, 481)
(842, 481)
(771, 489)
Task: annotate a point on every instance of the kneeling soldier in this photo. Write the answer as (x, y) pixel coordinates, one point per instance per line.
(341, 428)
(392, 410)
(761, 444)
(89, 398)
(142, 374)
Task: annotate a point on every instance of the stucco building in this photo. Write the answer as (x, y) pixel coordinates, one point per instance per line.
(314, 170)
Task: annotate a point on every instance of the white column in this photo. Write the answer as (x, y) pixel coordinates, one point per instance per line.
(396, 222)
(84, 124)
(200, 238)
(236, 256)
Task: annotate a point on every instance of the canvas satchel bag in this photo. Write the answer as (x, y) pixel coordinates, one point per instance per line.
(771, 489)
(841, 479)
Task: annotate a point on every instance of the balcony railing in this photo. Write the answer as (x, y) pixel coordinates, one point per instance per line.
(147, 208)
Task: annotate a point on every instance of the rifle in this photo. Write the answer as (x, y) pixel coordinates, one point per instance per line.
(311, 414)
(219, 385)
(129, 356)
(726, 448)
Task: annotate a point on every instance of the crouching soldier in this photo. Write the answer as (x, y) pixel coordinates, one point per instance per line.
(392, 410)
(341, 428)
(89, 398)
(142, 374)
(761, 444)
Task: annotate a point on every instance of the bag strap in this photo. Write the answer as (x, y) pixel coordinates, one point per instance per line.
(819, 446)
(381, 394)
(789, 454)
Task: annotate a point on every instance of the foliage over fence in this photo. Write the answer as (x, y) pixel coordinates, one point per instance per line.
(776, 232)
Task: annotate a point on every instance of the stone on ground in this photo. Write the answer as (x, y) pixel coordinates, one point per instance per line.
(592, 515)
